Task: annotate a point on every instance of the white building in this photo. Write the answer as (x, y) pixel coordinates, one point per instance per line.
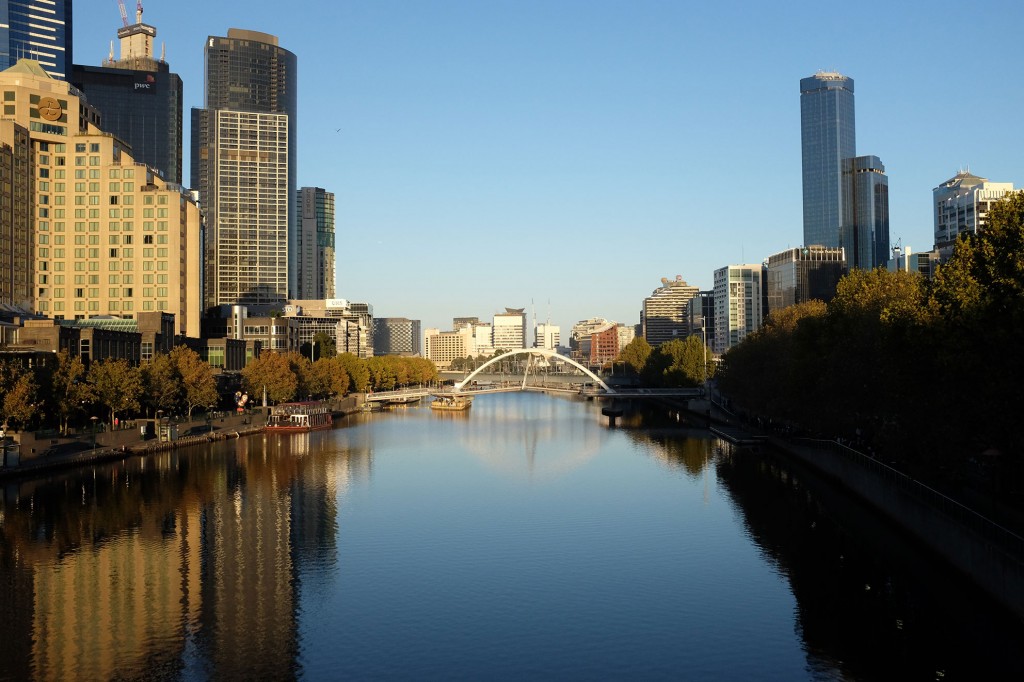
(547, 336)
(509, 331)
(664, 316)
(961, 206)
(739, 307)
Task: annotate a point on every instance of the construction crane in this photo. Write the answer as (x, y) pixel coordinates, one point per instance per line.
(124, 13)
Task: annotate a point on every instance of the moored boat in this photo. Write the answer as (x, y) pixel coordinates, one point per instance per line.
(300, 417)
(451, 403)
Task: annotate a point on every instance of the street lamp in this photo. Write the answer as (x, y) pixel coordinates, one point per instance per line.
(312, 349)
(94, 420)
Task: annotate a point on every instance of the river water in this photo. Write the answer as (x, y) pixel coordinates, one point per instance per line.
(522, 539)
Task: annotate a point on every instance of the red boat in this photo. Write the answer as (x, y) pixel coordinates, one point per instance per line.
(299, 418)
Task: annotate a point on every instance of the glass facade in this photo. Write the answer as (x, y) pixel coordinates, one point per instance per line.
(38, 30)
(142, 108)
(827, 132)
(865, 233)
(244, 166)
(314, 244)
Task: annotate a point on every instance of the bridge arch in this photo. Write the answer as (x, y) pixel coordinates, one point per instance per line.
(540, 352)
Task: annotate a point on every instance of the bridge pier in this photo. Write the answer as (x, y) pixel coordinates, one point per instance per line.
(612, 413)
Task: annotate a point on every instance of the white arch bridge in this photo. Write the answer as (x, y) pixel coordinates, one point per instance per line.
(600, 388)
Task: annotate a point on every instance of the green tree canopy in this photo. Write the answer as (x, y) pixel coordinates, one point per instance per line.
(117, 385)
(198, 387)
(273, 372)
(635, 354)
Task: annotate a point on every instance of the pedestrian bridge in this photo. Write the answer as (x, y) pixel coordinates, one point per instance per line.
(596, 388)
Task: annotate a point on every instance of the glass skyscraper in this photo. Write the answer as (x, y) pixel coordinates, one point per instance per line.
(865, 232)
(39, 30)
(828, 138)
(243, 164)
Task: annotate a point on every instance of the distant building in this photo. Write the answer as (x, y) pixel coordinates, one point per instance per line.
(828, 136)
(17, 219)
(314, 245)
(701, 313)
(803, 274)
(664, 315)
(442, 348)
(739, 304)
(139, 99)
(627, 333)
(39, 30)
(547, 336)
(961, 205)
(396, 336)
(604, 345)
(579, 337)
(509, 329)
(243, 165)
(865, 230)
(903, 259)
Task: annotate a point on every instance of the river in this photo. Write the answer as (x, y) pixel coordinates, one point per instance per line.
(522, 539)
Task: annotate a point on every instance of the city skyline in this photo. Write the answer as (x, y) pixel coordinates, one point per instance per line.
(607, 145)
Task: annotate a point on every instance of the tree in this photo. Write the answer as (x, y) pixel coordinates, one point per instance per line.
(199, 388)
(69, 391)
(117, 385)
(676, 363)
(635, 354)
(19, 402)
(161, 384)
(358, 374)
(325, 347)
(272, 372)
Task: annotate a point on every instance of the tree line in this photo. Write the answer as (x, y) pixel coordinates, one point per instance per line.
(678, 363)
(928, 371)
(292, 376)
(64, 392)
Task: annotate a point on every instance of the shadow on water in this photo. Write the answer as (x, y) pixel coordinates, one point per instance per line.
(871, 602)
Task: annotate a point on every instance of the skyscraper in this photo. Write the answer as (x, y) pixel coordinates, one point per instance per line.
(314, 245)
(865, 231)
(139, 99)
(739, 303)
(243, 164)
(664, 315)
(828, 137)
(39, 30)
(961, 207)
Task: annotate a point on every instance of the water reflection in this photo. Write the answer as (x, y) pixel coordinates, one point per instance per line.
(182, 565)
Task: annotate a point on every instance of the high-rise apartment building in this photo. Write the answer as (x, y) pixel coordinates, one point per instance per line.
(314, 244)
(509, 329)
(961, 207)
(442, 347)
(803, 274)
(739, 304)
(39, 30)
(864, 235)
(111, 237)
(828, 138)
(664, 315)
(396, 336)
(139, 99)
(244, 166)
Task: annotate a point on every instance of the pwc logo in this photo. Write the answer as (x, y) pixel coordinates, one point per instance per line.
(148, 85)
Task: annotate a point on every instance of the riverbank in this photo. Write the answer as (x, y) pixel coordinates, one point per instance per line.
(991, 555)
(39, 453)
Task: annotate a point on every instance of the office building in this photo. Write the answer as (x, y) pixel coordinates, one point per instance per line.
(804, 274)
(509, 329)
(701, 312)
(664, 314)
(314, 244)
(111, 237)
(904, 259)
(39, 30)
(739, 304)
(244, 165)
(865, 232)
(139, 99)
(961, 205)
(396, 336)
(579, 337)
(604, 345)
(828, 138)
(547, 336)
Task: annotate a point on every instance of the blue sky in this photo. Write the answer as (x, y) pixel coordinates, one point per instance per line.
(486, 154)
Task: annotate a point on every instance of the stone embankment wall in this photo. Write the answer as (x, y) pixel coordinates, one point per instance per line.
(992, 556)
